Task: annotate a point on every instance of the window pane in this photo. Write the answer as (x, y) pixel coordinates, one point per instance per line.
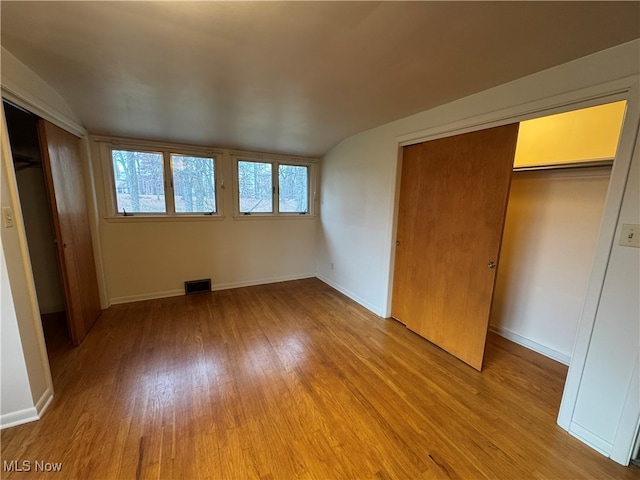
(139, 181)
(194, 186)
(294, 188)
(255, 187)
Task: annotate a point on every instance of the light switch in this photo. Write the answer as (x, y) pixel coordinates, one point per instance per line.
(7, 217)
(630, 236)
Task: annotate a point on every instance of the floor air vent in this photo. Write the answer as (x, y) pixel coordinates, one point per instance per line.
(197, 286)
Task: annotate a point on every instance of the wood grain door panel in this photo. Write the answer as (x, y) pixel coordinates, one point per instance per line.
(453, 198)
(65, 185)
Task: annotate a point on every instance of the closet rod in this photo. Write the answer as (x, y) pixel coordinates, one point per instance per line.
(21, 161)
(565, 166)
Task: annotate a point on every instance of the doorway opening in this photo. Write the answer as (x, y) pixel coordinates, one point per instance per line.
(38, 223)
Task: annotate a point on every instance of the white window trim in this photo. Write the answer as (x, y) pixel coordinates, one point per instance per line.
(275, 161)
(108, 144)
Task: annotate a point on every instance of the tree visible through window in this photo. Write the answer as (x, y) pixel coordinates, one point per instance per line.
(154, 180)
(139, 181)
(193, 184)
(255, 187)
(293, 187)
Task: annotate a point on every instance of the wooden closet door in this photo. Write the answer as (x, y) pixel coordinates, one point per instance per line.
(65, 185)
(453, 199)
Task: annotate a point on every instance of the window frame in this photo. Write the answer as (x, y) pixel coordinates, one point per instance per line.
(216, 160)
(275, 161)
(166, 150)
(114, 188)
(309, 193)
(236, 189)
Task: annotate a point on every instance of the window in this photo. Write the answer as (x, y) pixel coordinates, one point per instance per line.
(147, 181)
(139, 181)
(272, 187)
(194, 185)
(163, 182)
(293, 181)
(255, 187)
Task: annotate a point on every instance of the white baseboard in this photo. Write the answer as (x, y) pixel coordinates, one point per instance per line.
(145, 296)
(253, 283)
(44, 402)
(214, 287)
(598, 444)
(530, 344)
(351, 295)
(13, 419)
(31, 414)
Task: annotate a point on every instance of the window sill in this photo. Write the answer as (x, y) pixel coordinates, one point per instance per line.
(267, 216)
(163, 218)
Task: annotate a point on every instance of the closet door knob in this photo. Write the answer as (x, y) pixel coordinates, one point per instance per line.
(492, 265)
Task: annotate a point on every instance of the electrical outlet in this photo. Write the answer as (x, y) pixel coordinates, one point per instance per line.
(7, 217)
(630, 235)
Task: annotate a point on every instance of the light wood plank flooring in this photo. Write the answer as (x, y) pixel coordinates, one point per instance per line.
(294, 380)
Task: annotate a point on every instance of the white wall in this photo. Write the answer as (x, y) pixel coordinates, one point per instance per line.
(16, 402)
(149, 259)
(22, 84)
(356, 206)
(549, 241)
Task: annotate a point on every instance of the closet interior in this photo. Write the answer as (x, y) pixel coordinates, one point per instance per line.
(38, 220)
(561, 175)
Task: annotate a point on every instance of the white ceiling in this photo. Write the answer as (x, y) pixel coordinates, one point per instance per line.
(291, 77)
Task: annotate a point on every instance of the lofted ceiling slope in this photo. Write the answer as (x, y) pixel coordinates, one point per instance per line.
(291, 77)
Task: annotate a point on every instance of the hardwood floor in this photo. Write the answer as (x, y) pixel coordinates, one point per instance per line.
(293, 380)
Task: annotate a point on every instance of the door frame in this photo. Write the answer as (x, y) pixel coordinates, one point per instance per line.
(19, 270)
(624, 89)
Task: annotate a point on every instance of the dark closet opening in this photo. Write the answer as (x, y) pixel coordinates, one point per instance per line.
(38, 221)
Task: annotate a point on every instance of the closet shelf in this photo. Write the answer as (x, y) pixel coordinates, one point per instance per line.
(607, 162)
